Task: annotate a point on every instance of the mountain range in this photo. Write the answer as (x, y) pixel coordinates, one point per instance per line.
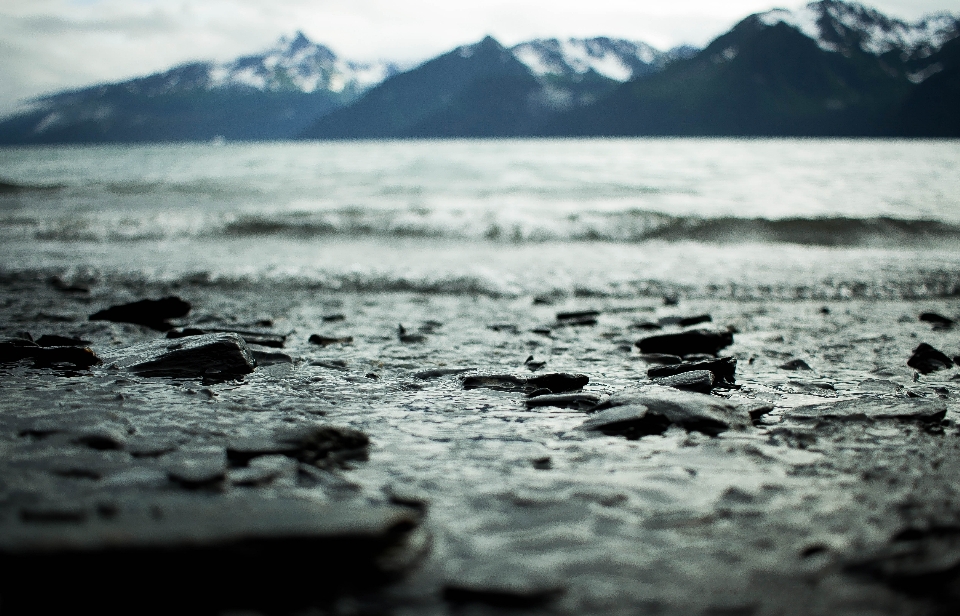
(832, 68)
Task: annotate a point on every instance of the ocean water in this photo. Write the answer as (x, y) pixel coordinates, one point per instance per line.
(606, 218)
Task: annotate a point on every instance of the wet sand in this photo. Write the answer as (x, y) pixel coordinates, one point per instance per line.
(515, 509)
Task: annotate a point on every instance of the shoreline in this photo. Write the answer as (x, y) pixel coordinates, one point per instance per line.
(515, 507)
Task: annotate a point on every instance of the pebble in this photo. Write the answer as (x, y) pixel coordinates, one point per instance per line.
(866, 409)
(723, 369)
(153, 313)
(580, 401)
(938, 321)
(652, 410)
(795, 364)
(223, 355)
(708, 341)
(328, 340)
(926, 359)
(694, 380)
(267, 339)
(552, 383)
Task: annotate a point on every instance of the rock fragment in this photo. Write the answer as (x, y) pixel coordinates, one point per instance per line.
(328, 340)
(926, 359)
(583, 317)
(221, 355)
(923, 410)
(557, 382)
(16, 349)
(694, 380)
(319, 445)
(723, 369)
(937, 320)
(708, 341)
(153, 313)
(653, 410)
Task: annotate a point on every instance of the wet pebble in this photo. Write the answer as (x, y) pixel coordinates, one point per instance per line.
(708, 341)
(926, 359)
(223, 355)
(694, 380)
(152, 313)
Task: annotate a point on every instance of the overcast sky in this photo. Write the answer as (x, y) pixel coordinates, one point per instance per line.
(48, 45)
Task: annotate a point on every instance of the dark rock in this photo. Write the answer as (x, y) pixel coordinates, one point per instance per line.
(582, 317)
(559, 382)
(695, 320)
(509, 328)
(653, 410)
(686, 343)
(646, 326)
(327, 341)
(671, 300)
(225, 355)
(218, 554)
(153, 313)
(16, 349)
(543, 331)
(334, 318)
(407, 338)
(551, 383)
(333, 364)
(49, 340)
(533, 365)
(543, 464)
(758, 409)
(580, 401)
(321, 446)
(661, 358)
(695, 380)
(926, 359)
(501, 382)
(795, 364)
(924, 410)
(938, 321)
(439, 372)
(723, 370)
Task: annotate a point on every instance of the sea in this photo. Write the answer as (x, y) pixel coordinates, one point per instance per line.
(616, 218)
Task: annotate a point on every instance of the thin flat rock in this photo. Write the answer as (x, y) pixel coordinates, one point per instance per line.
(906, 409)
(695, 380)
(555, 382)
(723, 369)
(652, 410)
(211, 354)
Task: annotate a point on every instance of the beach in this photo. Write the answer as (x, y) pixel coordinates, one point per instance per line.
(378, 450)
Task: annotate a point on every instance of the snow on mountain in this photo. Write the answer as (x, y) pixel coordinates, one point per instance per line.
(616, 59)
(299, 64)
(837, 25)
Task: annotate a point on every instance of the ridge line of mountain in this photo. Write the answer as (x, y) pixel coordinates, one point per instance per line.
(831, 68)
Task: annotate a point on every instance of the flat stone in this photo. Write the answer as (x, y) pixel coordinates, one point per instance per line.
(225, 355)
(937, 320)
(927, 359)
(579, 401)
(153, 313)
(16, 349)
(328, 340)
(654, 409)
(708, 341)
(723, 369)
(866, 409)
(220, 552)
(556, 382)
(695, 380)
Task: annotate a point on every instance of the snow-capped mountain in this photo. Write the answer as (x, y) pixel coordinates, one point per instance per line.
(293, 64)
(839, 26)
(298, 64)
(616, 59)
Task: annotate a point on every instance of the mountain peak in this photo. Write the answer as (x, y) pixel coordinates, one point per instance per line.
(840, 26)
(616, 59)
